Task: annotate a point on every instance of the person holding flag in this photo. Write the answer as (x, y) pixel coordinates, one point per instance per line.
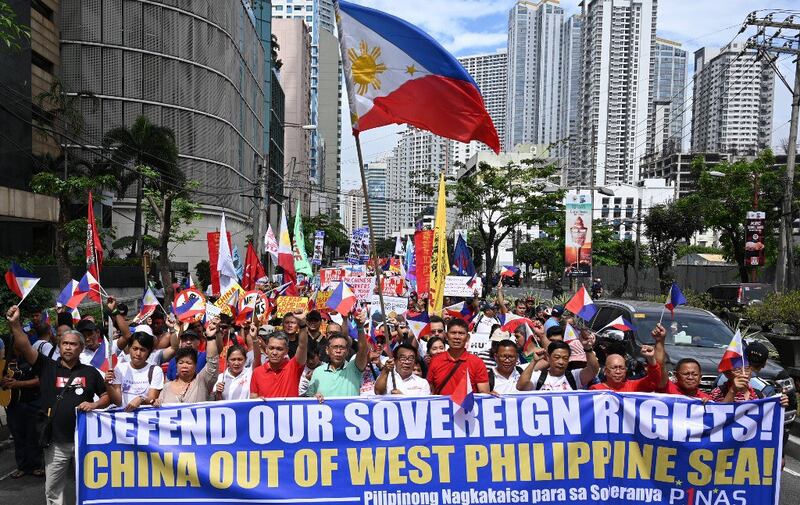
(20, 281)
(339, 377)
(65, 386)
(615, 373)
(94, 249)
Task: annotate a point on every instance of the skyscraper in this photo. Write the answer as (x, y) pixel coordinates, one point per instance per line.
(669, 94)
(413, 172)
(490, 72)
(534, 73)
(616, 87)
(733, 100)
(567, 151)
(375, 173)
(353, 211)
(325, 83)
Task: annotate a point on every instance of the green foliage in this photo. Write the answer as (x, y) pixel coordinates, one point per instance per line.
(698, 299)
(475, 241)
(724, 201)
(385, 247)
(335, 233)
(12, 34)
(777, 309)
(126, 242)
(686, 249)
(203, 272)
(495, 200)
(548, 254)
(603, 243)
(666, 226)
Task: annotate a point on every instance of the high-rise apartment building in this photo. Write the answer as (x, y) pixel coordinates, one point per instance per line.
(197, 69)
(567, 150)
(413, 169)
(733, 100)
(295, 79)
(616, 87)
(534, 73)
(325, 83)
(490, 72)
(375, 173)
(353, 211)
(669, 93)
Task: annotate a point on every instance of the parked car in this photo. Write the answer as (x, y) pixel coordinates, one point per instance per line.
(739, 295)
(692, 333)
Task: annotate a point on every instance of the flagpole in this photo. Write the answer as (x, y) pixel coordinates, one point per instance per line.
(374, 251)
(669, 297)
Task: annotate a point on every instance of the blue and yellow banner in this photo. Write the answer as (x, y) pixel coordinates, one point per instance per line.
(537, 448)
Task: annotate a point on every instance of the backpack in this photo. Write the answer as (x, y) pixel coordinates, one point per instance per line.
(567, 374)
(492, 376)
(52, 348)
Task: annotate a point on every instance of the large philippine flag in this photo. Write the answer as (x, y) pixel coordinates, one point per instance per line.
(396, 73)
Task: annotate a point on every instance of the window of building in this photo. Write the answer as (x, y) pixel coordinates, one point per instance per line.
(41, 62)
(278, 7)
(42, 9)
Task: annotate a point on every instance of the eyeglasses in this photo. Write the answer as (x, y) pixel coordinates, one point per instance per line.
(405, 358)
(437, 331)
(338, 347)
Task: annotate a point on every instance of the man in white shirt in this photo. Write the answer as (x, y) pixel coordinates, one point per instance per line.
(556, 377)
(397, 375)
(503, 377)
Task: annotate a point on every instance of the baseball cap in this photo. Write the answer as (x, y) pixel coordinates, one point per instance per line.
(557, 311)
(756, 354)
(86, 325)
(144, 328)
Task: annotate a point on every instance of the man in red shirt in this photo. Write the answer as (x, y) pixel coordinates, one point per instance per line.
(687, 380)
(616, 373)
(280, 376)
(448, 368)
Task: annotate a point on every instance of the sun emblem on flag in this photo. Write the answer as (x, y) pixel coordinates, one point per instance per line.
(365, 67)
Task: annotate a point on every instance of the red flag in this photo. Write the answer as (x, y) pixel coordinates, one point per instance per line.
(94, 249)
(253, 269)
(213, 253)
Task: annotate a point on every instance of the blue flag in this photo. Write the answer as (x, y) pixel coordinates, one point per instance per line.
(462, 259)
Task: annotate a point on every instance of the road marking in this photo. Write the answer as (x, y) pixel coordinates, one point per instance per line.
(4, 477)
(787, 470)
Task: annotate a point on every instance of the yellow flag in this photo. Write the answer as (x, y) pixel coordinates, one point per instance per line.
(440, 264)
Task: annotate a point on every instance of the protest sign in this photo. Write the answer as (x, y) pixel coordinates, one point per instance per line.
(396, 304)
(392, 286)
(534, 448)
(479, 342)
(322, 300)
(363, 286)
(423, 248)
(327, 276)
(457, 285)
(286, 304)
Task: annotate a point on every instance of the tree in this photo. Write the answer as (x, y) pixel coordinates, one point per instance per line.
(548, 254)
(624, 255)
(495, 200)
(665, 226)
(171, 212)
(335, 233)
(12, 34)
(144, 144)
(384, 247)
(51, 178)
(603, 243)
(724, 201)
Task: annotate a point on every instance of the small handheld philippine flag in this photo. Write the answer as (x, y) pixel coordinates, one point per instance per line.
(734, 355)
(509, 271)
(20, 281)
(674, 298)
(342, 300)
(581, 305)
(463, 395)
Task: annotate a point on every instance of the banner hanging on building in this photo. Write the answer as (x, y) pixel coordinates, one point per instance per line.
(754, 243)
(578, 242)
(546, 448)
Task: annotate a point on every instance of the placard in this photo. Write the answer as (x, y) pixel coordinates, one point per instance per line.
(286, 304)
(457, 285)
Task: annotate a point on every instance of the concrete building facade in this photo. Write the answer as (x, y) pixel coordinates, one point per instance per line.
(616, 87)
(568, 148)
(733, 101)
(377, 193)
(353, 216)
(490, 72)
(210, 92)
(294, 40)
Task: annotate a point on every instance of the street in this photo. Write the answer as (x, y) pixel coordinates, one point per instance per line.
(30, 490)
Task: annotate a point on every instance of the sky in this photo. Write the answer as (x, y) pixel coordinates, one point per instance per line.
(468, 27)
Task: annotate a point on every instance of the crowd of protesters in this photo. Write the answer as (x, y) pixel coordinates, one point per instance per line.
(51, 373)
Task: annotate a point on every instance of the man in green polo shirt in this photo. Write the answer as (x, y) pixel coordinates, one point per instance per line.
(340, 377)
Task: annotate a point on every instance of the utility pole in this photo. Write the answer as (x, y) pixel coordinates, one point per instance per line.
(263, 203)
(788, 45)
(636, 253)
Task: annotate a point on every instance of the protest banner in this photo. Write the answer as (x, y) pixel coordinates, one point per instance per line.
(423, 248)
(396, 304)
(457, 285)
(363, 286)
(286, 304)
(328, 276)
(392, 286)
(479, 342)
(534, 448)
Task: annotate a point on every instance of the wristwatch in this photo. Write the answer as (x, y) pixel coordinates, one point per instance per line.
(587, 350)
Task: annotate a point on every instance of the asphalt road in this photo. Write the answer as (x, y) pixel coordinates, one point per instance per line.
(30, 490)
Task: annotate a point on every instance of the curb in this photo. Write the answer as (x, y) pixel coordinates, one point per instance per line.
(792, 447)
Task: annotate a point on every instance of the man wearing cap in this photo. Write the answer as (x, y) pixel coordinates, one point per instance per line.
(555, 317)
(487, 319)
(93, 338)
(736, 386)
